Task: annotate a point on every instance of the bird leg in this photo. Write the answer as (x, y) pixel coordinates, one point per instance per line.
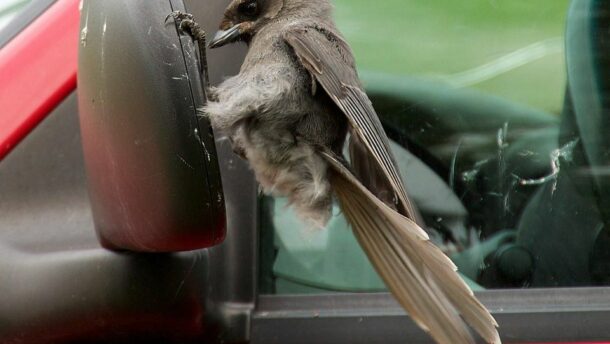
(188, 25)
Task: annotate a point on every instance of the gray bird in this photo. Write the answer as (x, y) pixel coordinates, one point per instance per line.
(289, 111)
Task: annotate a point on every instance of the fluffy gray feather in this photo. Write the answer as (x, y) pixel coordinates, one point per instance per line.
(276, 120)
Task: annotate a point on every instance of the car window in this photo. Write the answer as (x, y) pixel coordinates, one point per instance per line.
(513, 49)
(504, 158)
(9, 9)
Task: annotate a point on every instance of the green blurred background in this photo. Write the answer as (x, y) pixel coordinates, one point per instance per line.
(510, 48)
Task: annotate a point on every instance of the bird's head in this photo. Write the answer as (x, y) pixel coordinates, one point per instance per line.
(243, 18)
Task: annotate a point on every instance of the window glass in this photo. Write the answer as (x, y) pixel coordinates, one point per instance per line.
(506, 160)
(9, 10)
(512, 49)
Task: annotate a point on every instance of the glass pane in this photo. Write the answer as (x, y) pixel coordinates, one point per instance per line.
(509, 170)
(9, 10)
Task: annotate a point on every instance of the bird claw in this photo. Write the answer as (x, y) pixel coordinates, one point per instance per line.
(179, 16)
(187, 24)
(238, 149)
(212, 94)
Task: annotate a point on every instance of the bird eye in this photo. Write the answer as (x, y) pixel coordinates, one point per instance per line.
(249, 8)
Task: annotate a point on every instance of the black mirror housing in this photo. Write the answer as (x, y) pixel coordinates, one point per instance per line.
(150, 156)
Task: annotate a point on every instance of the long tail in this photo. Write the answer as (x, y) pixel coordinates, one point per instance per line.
(419, 275)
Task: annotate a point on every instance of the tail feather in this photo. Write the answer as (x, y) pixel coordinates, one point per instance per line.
(421, 277)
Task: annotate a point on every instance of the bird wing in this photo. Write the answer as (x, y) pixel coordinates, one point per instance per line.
(330, 61)
(419, 275)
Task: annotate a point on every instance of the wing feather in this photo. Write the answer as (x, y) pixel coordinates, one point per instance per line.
(421, 277)
(329, 59)
(418, 274)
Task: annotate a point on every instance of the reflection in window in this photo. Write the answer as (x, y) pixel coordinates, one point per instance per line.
(9, 10)
(513, 49)
(508, 168)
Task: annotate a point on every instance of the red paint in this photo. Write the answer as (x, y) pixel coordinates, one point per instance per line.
(37, 71)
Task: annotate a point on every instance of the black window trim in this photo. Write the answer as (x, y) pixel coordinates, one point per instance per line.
(525, 315)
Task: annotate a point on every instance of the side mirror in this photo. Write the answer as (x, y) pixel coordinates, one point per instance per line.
(150, 157)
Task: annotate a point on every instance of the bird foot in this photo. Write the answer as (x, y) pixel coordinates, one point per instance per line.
(187, 24)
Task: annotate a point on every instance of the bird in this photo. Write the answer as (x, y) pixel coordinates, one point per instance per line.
(296, 102)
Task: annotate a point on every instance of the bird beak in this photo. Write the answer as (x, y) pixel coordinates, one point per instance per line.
(223, 37)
